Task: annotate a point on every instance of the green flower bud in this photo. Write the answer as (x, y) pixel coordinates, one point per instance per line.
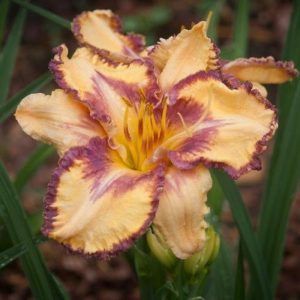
(164, 255)
(199, 261)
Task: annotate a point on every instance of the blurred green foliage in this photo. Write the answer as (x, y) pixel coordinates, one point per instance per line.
(148, 22)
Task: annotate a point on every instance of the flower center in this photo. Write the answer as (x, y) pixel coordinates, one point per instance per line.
(144, 128)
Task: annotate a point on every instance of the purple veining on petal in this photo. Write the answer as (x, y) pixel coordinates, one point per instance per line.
(97, 163)
(130, 91)
(232, 83)
(200, 141)
(125, 244)
(190, 110)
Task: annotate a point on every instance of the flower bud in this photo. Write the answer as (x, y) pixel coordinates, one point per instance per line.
(199, 261)
(164, 255)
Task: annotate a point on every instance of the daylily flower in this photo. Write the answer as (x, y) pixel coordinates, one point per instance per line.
(136, 129)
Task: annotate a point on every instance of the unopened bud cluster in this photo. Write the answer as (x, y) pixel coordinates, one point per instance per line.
(194, 265)
(201, 260)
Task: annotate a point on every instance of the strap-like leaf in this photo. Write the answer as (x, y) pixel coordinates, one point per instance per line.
(220, 281)
(40, 279)
(284, 171)
(16, 251)
(45, 13)
(240, 34)
(280, 194)
(239, 292)
(9, 54)
(239, 44)
(247, 234)
(32, 164)
(4, 9)
(7, 108)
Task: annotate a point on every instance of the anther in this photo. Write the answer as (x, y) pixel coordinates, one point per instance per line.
(127, 101)
(125, 125)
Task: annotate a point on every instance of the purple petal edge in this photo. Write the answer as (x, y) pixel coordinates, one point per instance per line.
(49, 212)
(151, 91)
(288, 66)
(232, 83)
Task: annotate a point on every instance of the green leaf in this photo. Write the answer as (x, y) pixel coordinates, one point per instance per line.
(238, 47)
(290, 52)
(9, 107)
(144, 273)
(220, 283)
(150, 273)
(247, 234)
(286, 91)
(215, 198)
(11, 254)
(32, 164)
(280, 194)
(240, 33)
(9, 54)
(45, 13)
(4, 9)
(239, 291)
(40, 279)
(285, 163)
(35, 221)
(147, 22)
(16, 251)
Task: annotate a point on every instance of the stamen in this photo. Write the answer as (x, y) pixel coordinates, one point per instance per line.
(125, 125)
(159, 102)
(147, 128)
(121, 149)
(140, 118)
(127, 101)
(154, 128)
(142, 95)
(138, 142)
(186, 129)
